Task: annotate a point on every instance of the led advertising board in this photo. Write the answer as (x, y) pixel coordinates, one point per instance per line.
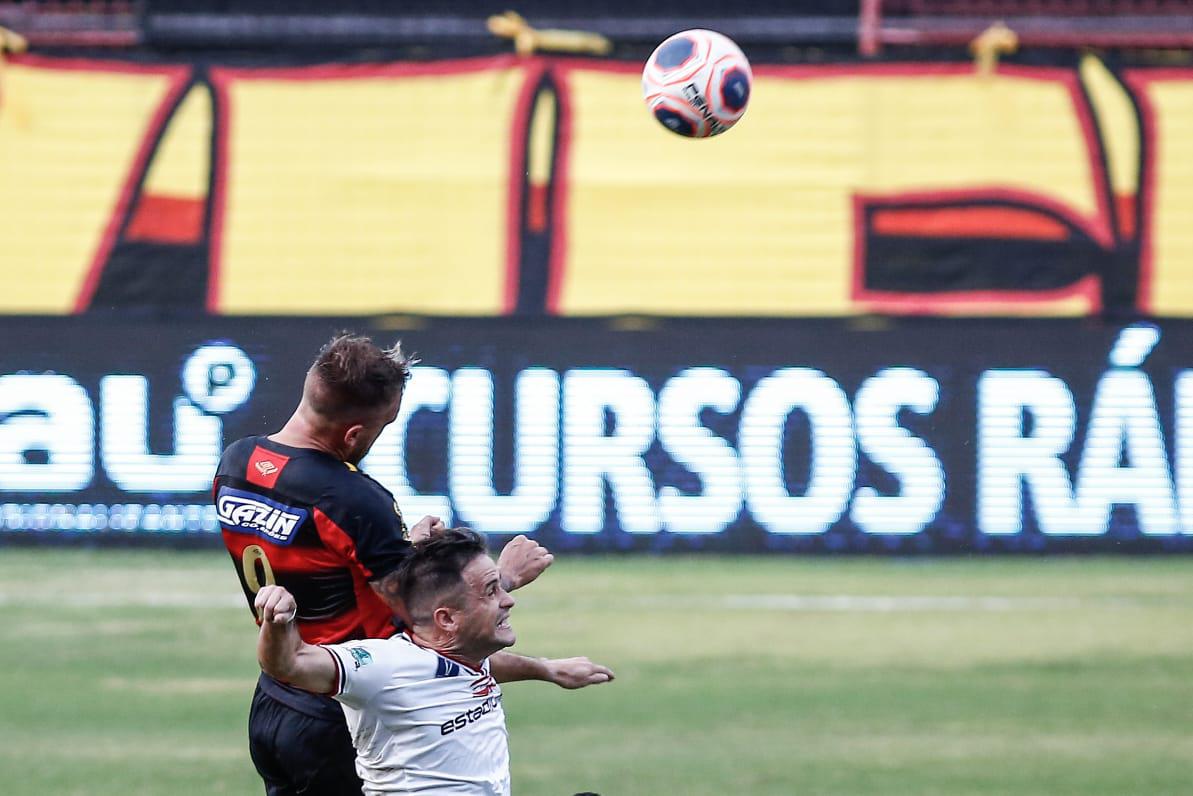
(915, 436)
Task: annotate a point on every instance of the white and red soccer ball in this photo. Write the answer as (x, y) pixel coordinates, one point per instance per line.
(697, 83)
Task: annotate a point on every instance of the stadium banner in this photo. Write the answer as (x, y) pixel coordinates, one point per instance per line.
(544, 186)
(918, 436)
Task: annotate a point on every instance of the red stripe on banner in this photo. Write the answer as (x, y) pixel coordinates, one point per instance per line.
(968, 222)
(1124, 205)
(519, 157)
(1140, 80)
(557, 257)
(453, 66)
(536, 208)
(959, 302)
(166, 219)
(222, 110)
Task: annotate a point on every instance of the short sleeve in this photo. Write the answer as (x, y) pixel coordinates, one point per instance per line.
(363, 668)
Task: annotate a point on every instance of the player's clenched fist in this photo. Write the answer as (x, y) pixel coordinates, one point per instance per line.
(275, 604)
(425, 527)
(521, 561)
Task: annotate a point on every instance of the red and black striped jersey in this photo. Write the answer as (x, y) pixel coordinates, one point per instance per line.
(316, 525)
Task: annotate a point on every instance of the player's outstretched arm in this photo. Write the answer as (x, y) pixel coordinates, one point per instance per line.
(570, 673)
(521, 561)
(280, 649)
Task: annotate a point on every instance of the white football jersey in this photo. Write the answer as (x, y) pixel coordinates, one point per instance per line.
(420, 722)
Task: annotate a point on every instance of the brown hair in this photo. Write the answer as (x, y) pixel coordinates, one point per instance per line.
(352, 376)
(433, 572)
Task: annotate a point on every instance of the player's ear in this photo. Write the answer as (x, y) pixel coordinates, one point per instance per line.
(445, 619)
(352, 434)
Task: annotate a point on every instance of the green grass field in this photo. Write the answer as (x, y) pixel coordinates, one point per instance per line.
(130, 673)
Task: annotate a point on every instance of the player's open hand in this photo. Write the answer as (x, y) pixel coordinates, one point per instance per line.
(521, 561)
(425, 527)
(572, 673)
(275, 605)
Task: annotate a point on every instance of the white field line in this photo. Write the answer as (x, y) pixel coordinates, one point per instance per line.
(874, 603)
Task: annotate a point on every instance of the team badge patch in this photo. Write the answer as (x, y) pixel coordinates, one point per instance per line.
(264, 467)
(245, 512)
(361, 656)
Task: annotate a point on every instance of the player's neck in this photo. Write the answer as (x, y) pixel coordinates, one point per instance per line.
(299, 433)
(447, 649)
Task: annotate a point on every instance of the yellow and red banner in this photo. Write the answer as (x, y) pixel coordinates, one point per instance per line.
(505, 185)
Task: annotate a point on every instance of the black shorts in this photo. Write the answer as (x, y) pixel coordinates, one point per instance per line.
(297, 753)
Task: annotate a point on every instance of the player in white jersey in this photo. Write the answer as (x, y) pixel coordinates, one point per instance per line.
(423, 708)
(420, 721)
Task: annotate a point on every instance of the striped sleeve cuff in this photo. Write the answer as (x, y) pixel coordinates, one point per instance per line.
(340, 680)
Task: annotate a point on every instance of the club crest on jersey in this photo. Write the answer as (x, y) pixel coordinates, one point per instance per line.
(264, 467)
(361, 656)
(245, 512)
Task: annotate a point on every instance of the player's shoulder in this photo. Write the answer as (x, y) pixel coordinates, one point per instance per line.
(267, 464)
(364, 651)
(237, 454)
(352, 491)
(353, 483)
(397, 656)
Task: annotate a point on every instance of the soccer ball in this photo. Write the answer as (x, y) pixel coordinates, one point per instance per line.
(697, 83)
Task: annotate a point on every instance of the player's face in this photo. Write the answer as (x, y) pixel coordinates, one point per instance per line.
(364, 435)
(485, 621)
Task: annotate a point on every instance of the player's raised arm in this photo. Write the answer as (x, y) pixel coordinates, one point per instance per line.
(280, 649)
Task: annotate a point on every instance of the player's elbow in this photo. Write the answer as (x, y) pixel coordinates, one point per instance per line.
(275, 665)
(267, 666)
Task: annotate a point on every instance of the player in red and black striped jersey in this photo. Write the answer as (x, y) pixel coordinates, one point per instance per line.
(295, 510)
(301, 518)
